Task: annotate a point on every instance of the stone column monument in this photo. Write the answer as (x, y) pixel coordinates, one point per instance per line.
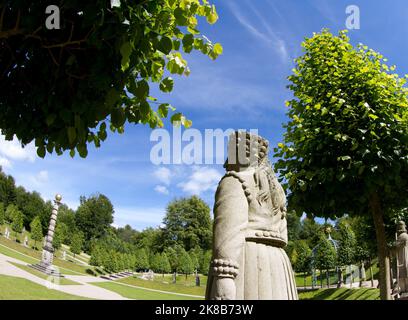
(48, 251)
(250, 229)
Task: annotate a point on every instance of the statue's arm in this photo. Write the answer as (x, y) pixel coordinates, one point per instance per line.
(230, 221)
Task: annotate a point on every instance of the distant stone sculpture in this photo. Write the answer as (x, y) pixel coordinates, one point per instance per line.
(26, 241)
(64, 255)
(250, 228)
(7, 233)
(401, 253)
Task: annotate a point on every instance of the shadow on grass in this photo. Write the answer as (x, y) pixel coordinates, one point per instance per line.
(91, 272)
(342, 294)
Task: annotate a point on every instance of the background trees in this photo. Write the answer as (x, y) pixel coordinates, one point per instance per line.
(188, 223)
(325, 257)
(94, 217)
(64, 90)
(303, 258)
(347, 249)
(77, 241)
(2, 213)
(17, 221)
(346, 144)
(36, 230)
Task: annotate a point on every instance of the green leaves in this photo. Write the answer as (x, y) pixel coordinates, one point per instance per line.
(165, 44)
(125, 51)
(113, 58)
(118, 117)
(346, 134)
(167, 84)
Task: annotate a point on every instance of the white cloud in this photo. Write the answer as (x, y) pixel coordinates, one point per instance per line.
(202, 179)
(40, 178)
(5, 163)
(161, 189)
(163, 175)
(13, 150)
(269, 36)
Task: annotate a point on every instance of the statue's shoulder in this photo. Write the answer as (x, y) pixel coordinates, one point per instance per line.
(233, 180)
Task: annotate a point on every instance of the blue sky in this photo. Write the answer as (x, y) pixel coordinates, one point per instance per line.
(245, 88)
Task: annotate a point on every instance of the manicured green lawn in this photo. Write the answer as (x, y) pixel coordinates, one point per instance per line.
(13, 288)
(157, 284)
(35, 255)
(10, 253)
(62, 281)
(341, 294)
(140, 294)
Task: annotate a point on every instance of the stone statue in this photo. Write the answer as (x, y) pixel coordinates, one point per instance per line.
(26, 241)
(250, 229)
(401, 252)
(7, 233)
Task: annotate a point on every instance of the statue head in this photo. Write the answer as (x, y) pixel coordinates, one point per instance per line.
(401, 228)
(245, 150)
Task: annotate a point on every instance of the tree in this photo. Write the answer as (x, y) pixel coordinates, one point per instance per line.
(294, 225)
(17, 221)
(188, 223)
(94, 217)
(165, 264)
(346, 144)
(303, 260)
(77, 242)
(31, 205)
(325, 257)
(96, 257)
(2, 214)
(61, 89)
(7, 189)
(60, 234)
(205, 262)
(346, 252)
(67, 217)
(142, 260)
(310, 231)
(185, 263)
(36, 230)
(10, 210)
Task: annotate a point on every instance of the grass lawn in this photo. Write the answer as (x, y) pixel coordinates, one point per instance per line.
(62, 281)
(13, 288)
(35, 255)
(341, 294)
(157, 284)
(140, 294)
(10, 253)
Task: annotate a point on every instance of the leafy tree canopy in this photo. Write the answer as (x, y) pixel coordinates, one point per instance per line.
(188, 223)
(64, 87)
(94, 216)
(346, 138)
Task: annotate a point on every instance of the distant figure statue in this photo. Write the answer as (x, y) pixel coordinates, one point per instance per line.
(401, 252)
(250, 229)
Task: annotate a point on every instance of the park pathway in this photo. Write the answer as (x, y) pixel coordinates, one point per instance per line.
(84, 289)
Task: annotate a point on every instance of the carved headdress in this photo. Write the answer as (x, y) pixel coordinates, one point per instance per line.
(245, 149)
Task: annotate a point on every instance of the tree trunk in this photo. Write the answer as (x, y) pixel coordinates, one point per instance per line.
(339, 277)
(304, 280)
(321, 279)
(327, 279)
(383, 258)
